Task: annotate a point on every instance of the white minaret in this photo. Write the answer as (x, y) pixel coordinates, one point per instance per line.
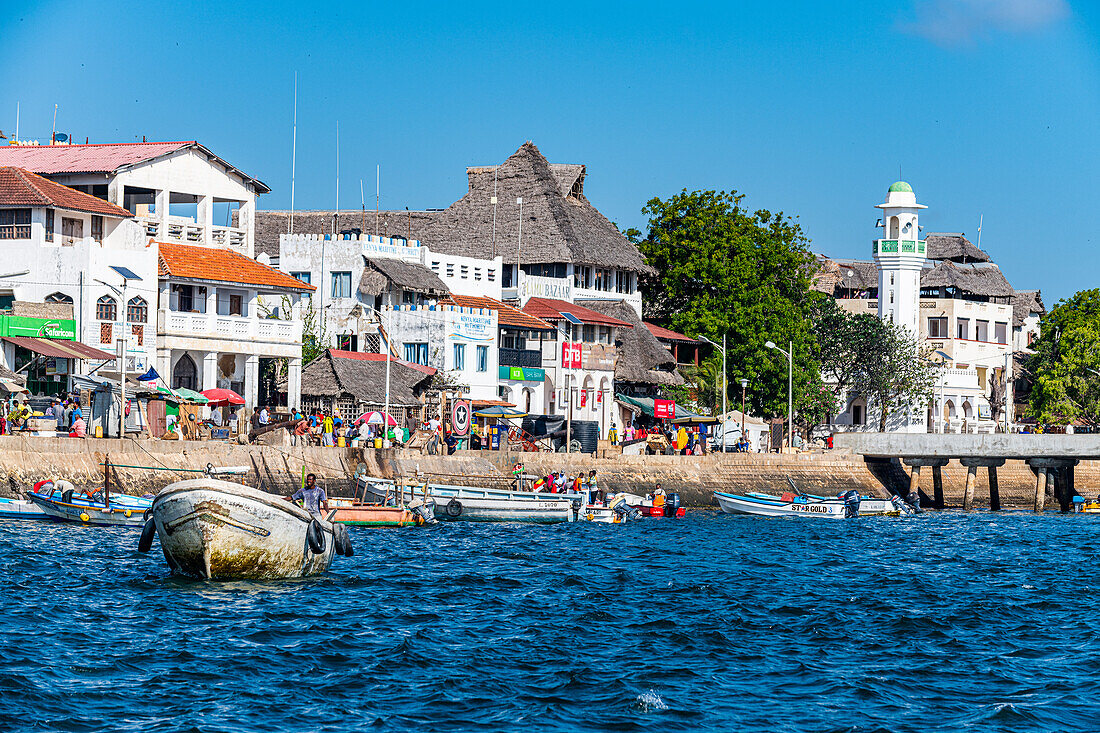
(900, 256)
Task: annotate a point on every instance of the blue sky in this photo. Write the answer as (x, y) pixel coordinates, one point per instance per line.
(988, 107)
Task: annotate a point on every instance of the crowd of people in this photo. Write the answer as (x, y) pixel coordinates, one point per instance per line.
(66, 412)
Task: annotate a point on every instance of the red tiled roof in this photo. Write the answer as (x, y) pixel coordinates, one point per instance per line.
(361, 356)
(551, 310)
(95, 158)
(667, 335)
(103, 157)
(20, 187)
(209, 263)
(506, 314)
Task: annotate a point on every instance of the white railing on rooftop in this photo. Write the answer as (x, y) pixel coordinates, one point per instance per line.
(236, 328)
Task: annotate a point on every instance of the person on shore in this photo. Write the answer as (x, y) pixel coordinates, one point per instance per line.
(59, 416)
(326, 431)
(311, 497)
(301, 432)
(628, 433)
(594, 493)
(78, 430)
(681, 439)
(265, 416)
(254, 420)
(613, 434)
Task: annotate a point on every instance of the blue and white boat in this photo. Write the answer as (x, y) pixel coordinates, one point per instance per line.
(20, 509)
(774, 506)
(60, 500)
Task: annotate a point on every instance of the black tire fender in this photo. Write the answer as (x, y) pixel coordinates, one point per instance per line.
(454, 507)
(342, 539)
(148, 531)
(315, 537)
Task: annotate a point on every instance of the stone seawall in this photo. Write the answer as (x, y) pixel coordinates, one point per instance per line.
(278, 468)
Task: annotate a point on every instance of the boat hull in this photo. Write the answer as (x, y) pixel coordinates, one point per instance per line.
(761, 507)
(127, 514)
(372, 515)
(869, 506)
(220, 530)
(21, 509)
(480, 505)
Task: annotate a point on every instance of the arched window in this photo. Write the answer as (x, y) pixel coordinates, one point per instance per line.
(59, 298)
(137, 310)
(106, 309)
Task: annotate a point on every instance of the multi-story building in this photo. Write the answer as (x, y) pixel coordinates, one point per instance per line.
(951, 295)
(188, 239)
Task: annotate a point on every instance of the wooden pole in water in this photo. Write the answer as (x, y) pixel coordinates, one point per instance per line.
(994, 491)
(968, 495)
(914, 479)
(1040, 489)
(937, 486)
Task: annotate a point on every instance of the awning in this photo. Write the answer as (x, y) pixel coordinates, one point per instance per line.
(59, 349)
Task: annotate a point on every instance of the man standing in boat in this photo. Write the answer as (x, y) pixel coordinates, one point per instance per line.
(311, 496)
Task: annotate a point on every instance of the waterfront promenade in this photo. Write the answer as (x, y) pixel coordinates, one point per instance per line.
(25, 460)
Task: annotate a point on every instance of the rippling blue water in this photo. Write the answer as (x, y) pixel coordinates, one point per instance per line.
(951, 622)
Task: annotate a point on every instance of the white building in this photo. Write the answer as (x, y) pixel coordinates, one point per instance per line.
(194, 218)
(952, 296)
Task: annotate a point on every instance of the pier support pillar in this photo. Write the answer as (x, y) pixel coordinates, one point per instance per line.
(1052, 473)
(1040, 490)
(915, 465)
(972, 465)
(994, 491)
(937, 485)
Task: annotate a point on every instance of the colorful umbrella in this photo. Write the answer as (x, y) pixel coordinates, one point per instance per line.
(190, 395)
(222, 397)
(502, 412)
(375, 417)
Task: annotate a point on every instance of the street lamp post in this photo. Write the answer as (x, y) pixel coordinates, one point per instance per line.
(725, 384)
(744, 386)
(790, 387)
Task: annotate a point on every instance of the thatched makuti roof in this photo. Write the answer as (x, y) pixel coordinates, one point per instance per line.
(271, 224)
(832, 275)
(362, 377)
(1024, 303)
(953, 246)
(381, 273)
(984, 280)
(559, 223)
(642, 358)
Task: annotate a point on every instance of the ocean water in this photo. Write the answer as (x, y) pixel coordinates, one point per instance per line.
(943, 622)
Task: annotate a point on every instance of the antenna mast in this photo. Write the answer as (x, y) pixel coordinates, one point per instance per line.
(377, 194)
(981, 219)
(336, 214)
(293, 156)
(493, 201)
(363, 204)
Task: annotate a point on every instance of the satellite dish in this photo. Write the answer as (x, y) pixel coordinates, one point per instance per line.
(60, 137)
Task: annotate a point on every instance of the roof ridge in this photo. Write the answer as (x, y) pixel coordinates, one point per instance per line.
(24, 176)
(103, 145)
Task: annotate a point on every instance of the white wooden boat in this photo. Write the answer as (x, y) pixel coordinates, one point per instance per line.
(474, 504)
(21, 509)
(619, 510)
(869, 506)
(776, 507)
(60, 500)
(221, 530)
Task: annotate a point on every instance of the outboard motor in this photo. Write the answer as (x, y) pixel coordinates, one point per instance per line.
(901, 506)
(672, 505)
(424, 510)
(851, 503)
(913, 500)
(624, 510)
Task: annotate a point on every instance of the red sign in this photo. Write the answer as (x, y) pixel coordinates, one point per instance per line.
(460, 417)
(571, 355)
(584, 398)
(664, 409)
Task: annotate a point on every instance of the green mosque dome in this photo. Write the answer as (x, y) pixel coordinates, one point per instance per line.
(901, 187)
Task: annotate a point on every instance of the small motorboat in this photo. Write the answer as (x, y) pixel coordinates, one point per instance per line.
(776, 507)
(21, 509)
(220, 530)
(617, 511)
(62, 501)
(869, 506)
(662, 506)
(373, 515)
(475, 504)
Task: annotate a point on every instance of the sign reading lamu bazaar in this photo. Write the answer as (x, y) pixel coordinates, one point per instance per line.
(51, 328)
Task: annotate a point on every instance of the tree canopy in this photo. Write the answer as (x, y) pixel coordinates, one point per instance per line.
(1066, 365)
(721, 269)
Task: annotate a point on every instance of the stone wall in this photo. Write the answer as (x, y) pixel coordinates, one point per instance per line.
(278, 467)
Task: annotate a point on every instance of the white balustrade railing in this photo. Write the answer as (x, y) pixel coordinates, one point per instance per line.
(187, 231)
(230, 327)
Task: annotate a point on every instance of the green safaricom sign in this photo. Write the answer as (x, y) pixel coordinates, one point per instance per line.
(51, 328)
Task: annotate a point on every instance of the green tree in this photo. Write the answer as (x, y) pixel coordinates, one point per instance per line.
(1065, 383)
(898, 374)
(720, 269)
(846, 344)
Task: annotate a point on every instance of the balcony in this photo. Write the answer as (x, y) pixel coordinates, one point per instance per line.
(896, 246)
(187, 231)
(234, 328)
(520, 357)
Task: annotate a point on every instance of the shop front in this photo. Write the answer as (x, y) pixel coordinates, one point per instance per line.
(46, 351)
